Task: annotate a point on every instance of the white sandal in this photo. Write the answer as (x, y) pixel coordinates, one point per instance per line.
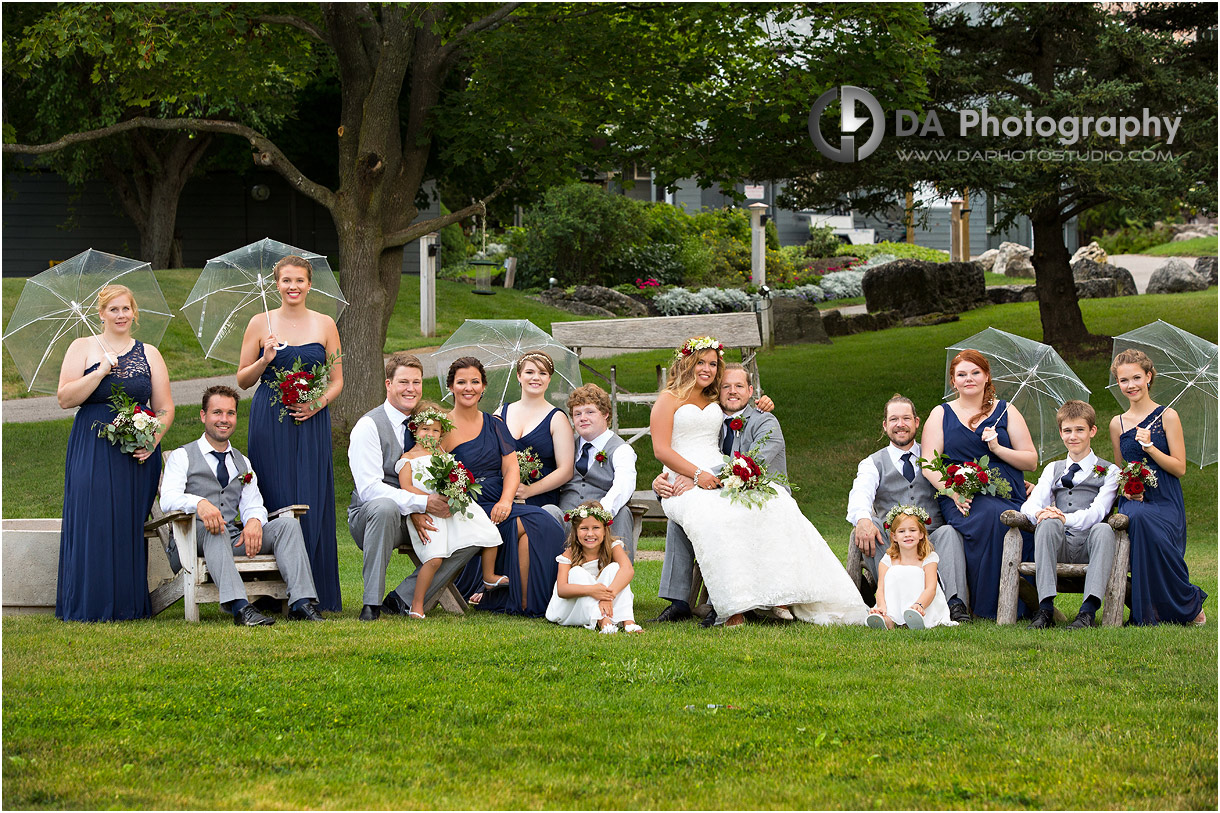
(413, 614)
(608, 629)
(631, 626)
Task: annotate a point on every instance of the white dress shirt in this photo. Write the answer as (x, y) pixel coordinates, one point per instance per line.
(364, 459)
(1043, 494)
(173, 484)
(624, 458)
(864, 487)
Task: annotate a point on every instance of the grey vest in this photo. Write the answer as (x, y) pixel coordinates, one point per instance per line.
(1081, 495)
(893, 489)
(201, 481)
(390, 437)
(594, 484)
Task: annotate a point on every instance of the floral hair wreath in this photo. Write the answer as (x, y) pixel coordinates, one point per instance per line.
(427, 416)
(909, 510)
(585, 511)
(700, 343)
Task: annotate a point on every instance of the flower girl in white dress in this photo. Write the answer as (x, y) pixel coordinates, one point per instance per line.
(463, 529)
(593, 589)
(907, 591)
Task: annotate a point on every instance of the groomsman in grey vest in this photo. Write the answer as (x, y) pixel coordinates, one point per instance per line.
(890, 477)
(1068, 506)
(214, 481)
(605, 464)
(744, 425)
(379, 509)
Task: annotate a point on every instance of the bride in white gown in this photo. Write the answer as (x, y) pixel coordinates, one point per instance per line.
(750, 557)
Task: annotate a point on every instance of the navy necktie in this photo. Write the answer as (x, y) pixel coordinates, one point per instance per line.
(222, 471)
(1066, 480)
(908, 470)
(407, 440)
(582, 464)
(726, 445)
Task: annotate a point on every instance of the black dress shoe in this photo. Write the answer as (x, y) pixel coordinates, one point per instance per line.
(1083, 619)
(307, 612)
(709, 620)
(267, 605)
(249, 617)
(959, 613)
(395, 605)
(1045, 619)
(370, 613)
(673, 613)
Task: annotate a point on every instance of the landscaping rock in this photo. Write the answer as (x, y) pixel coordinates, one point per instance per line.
(1176, 276)
(1014, 260)
(987, 259)
(1086, 269)
(930, 319)
(1096, 288)
(914, 287)
(1187, 235)
(1005, 294)
(1206, 268)
(1092, 252)
(556, 298)
(611, 300)
(797, 322)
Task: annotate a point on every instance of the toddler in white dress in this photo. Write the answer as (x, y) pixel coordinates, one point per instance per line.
(428, 423)
(907, 592)
(593, 588)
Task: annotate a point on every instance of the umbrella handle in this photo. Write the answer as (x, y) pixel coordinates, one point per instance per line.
(106, 351)
(263, 292)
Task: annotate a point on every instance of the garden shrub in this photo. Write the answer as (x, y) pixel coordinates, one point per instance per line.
(823, 242)
(843, 284)
(578, 232)
(1134, 238)
(908, 251)
(455, 249)
(725, 300)
(810, 293)
(679, 301)
(660, 261)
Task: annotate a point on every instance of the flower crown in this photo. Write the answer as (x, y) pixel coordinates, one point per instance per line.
(909, 510)
(699, 343)
(585, 511)
(427, 416)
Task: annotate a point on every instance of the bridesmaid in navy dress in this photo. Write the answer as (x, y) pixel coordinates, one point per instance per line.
(1161, 591)
(294, 456)
(532, 538)
(973, 425)
(103, 558)
(535, 424)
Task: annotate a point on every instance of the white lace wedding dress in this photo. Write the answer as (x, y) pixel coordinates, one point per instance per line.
(755, 557)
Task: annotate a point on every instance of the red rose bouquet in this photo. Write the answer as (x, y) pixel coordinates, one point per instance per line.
(968, 479)
(134, 426)
(747, 481)
(1134, 479)
(530, 464)
(297, 385)
(453, 481)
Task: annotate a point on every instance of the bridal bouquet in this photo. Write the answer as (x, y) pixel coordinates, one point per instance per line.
(1134, 479)
(968, 479)
(297, 385)
(453, 481)
(134, 427)
(748, 481)
(530, 464)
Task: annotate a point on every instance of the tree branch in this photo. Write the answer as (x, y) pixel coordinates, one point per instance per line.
(296, 22)
(417, 230)
(267, 154)
(487, 23)
(1084, 205)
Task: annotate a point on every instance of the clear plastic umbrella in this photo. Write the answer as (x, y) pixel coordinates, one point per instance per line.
(239, 285)
(1185, 380)
(60, 305)
(1030, 376)
(498, 343)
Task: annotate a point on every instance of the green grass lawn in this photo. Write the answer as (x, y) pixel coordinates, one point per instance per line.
(483, 712)
(1195, 247)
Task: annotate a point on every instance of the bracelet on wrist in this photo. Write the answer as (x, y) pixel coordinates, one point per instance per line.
(698, 471)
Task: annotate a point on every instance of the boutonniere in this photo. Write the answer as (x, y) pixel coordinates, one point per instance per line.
(1100, 472)
(738, 423)
(600, 457)
(246, 478)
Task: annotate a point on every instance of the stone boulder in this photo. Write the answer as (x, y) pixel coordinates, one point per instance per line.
(1014, 260)
(837, 324)
(797, 322)
(914, 287)
(1187, 235)
(1206, 268)
(556, 298)
(1006, 294)
(1124, 283)
(1176, 276)
(987, 259)
(594, 300)
(1092, 252)
(930, 319)
(1096, 288)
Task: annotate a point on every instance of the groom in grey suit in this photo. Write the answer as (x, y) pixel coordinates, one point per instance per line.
(744, 426)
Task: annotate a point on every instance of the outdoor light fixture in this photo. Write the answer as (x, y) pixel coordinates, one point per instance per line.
(552, 282)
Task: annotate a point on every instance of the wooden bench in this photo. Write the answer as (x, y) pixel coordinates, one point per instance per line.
(450, 598)
(860, 575)
(738, 330)
(192, 584)
(1070, 576)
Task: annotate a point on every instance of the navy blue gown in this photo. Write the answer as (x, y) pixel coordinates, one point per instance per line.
(482, 455)
(981, 529)
(540, 440)
(103, 558)
(1161, 591)
(295, 465)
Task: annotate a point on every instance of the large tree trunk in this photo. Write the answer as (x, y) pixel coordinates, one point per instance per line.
(360, 326)
(1062, 323)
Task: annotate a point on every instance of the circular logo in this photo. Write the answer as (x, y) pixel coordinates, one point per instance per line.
(849, 123)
